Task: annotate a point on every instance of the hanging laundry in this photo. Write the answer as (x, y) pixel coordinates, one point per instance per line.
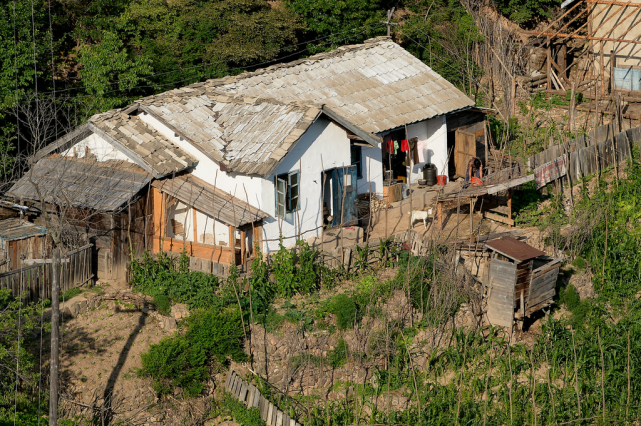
(414, 150)
(404, 145)
(388, 143)
(395, 147)
(420, 147)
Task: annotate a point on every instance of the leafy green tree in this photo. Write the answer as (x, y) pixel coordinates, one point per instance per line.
(339, 22)
(528, 12)
(108, 67)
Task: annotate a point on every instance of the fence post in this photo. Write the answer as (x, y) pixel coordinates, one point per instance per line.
(55, 319)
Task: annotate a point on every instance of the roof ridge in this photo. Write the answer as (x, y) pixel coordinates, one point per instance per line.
(339, 51)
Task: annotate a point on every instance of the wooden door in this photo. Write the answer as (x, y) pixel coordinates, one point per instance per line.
(465, 147)
(500, 300)
(542, 287)
(344, 182)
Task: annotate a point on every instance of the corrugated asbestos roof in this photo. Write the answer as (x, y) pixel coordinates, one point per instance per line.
(247, 135)
(16, 229)
(212, 201)
(376, 86)
(81, 183)
(157, 153)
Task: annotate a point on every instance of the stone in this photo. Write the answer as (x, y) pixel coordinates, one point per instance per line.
(169, 324)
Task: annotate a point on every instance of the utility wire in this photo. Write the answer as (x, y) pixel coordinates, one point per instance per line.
(276, 60)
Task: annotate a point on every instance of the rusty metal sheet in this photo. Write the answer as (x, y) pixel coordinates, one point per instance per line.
(514, 249)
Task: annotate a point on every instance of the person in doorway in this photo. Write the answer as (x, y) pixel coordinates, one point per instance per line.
(474, 170)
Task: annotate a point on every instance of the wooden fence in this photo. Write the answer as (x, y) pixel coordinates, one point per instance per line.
(249, 395)
(588, 154)
(34, 281)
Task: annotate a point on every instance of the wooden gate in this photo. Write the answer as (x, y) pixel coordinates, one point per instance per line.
(465, 147)
(500, 300)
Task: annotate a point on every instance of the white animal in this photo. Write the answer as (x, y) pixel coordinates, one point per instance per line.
(421, 215)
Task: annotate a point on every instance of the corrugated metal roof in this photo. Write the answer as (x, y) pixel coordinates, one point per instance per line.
(157, 153)
(514, 249)
(212, 201)
(17, 229)
(357, 82)
(81, 183)
(249, 135)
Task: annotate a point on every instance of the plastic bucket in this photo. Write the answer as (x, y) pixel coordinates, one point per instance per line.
(441, 179)
(476, 181)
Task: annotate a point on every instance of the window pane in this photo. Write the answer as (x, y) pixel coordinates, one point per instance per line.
(280, 187)
(293, 203)
(293, 192)
(281, 210)
(293, 178)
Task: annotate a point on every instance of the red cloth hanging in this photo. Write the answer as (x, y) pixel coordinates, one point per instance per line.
(390, 146)
(405, 146)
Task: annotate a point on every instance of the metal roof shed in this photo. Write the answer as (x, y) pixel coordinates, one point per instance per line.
(512, 283)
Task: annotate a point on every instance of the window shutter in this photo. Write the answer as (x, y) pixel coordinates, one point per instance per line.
(281, 191)
(292, 191)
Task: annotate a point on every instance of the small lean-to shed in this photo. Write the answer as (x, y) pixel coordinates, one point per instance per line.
(513, 283)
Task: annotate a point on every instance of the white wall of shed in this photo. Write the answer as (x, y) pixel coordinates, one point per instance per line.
(374, 157)
(205, 225)
(209, 171)
(434, 133)
(325, 140)
(98, 146)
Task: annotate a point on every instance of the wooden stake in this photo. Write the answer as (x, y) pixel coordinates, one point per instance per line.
(576, 375)
(598, 333)
(547, 361)
(55, 321)
(533, 382)
(487, 380)
(627, 405)
(509, 360)
(572, 108)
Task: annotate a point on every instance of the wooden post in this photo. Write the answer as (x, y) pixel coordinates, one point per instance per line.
(439, 212)
(572, 109)
(602, 45)
(548, 66)
(158, 219)
(509, 204)
(513, 95)
(562, 59)
(195, 220)
(232, 243)
(612, 61)
(55, 321)
(243, 247)
(472, 202)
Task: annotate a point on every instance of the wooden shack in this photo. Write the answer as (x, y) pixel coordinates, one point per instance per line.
(519, 280)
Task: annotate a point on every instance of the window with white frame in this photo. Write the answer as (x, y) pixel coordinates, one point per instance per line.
(287, 193)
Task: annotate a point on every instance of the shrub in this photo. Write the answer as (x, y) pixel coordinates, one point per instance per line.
(345, 310)
(579, 262)
(338, 355)
(182, 360)
(162, 304)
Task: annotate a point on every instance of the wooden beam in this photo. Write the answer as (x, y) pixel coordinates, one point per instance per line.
(562, 16)
(612, 59)
(232, 241)
(509, 203)
(587, 22)
(195, 221)
(498, 218)
(243, 247)
(582, 37)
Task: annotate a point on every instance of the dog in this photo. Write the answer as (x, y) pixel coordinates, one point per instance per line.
(421, 215)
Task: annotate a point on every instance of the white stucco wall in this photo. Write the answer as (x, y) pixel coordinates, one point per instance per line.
(210, 231)
(209, 171)
(433, 134)
(374, 157)
(323, 140)
(99, 147)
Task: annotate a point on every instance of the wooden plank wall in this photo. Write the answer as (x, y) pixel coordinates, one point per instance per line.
(591, 153)
(500, 303)
(542, 287)
(34, 281)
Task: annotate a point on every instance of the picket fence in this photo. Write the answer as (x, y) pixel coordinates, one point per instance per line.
(249, 395)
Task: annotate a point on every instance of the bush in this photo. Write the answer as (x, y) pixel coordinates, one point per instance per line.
(162, 304)
(338, 355)
(579, 262)
(164, 276)
(345, 310)
(183, 360)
